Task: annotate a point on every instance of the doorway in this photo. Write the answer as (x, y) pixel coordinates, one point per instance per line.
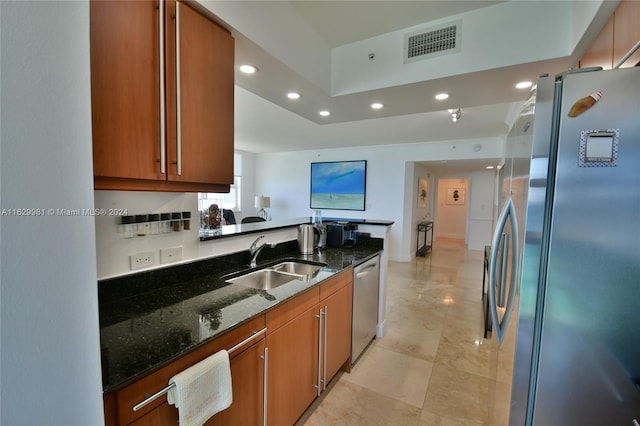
(451, 209)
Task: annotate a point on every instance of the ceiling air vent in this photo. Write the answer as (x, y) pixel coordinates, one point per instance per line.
(435, 41)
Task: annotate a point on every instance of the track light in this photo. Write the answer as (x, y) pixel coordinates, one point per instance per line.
(455, 114)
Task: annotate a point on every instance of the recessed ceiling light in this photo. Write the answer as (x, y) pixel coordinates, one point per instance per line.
(293, 95)
(376, 105)
(524, 85)
(248, 69)
(442, 96)
(489, 167)
(324, 113)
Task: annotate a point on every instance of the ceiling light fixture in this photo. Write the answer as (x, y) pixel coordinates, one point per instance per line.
(442, 96)
(324, 113)
(377, 105)
(248, 69)
(524, 85)
(489, 167)
(455, 114)
(293, 95)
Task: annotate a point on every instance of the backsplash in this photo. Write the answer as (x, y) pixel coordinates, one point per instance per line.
(113, 251)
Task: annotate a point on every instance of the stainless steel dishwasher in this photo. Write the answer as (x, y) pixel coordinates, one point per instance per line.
(366, 279)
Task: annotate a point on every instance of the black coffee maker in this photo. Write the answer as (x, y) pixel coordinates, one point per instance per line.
(341, 234)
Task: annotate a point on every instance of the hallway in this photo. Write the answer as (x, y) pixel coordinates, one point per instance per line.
(433, 365)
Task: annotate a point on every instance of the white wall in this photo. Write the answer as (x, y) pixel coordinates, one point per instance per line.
(50, 348)
(285, 177)
(419, 214)
(247, 169)
(482, 48)
(306, 52)
(481, 209)
(452, 218)
(472, 222)
(113, 250)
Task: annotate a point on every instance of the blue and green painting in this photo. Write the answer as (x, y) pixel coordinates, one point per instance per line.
(338, 185)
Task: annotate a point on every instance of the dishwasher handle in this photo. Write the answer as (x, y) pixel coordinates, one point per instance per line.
(366, 269)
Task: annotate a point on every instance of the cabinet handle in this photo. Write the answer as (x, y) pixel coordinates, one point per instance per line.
(163, 136)
(265, 385)
(320, 326)
(364, 271)
(178, 102)
(254, 335)
(324, 347)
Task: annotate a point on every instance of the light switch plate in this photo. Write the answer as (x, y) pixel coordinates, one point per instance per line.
(171, 254)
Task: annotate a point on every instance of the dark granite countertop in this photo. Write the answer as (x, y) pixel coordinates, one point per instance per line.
(250, 228)
(379, 222)
(150, 318)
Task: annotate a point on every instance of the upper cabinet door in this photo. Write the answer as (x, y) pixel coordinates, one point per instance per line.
(125, 89)
(626, 32)
(200, 84)
(162, 77)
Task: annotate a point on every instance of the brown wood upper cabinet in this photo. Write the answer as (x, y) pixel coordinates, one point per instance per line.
(162, 97)
(616, 38)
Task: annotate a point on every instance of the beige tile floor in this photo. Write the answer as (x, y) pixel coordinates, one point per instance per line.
(433, 365)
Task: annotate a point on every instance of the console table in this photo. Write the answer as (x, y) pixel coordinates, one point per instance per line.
(425, 228)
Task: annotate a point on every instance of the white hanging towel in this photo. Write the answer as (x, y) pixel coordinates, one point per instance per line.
(202, 390)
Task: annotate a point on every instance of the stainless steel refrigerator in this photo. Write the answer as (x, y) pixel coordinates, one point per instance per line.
(564, 288)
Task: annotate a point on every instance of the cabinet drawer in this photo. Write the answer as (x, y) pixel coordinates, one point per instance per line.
(138, 391)
(336, 283)
(289, 310)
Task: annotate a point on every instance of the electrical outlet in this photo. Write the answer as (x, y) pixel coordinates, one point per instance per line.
(172, 254)
(142, 260)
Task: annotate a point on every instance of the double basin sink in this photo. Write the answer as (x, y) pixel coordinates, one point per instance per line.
(276, 275)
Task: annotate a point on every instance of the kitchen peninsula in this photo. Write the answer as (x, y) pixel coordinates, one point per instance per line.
(249, 228)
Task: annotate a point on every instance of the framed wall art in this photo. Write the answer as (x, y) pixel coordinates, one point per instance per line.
(339, 185)
(422, 192)
(456, 196)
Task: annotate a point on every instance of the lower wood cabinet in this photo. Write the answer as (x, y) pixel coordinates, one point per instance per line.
(293, 371)
(308, 340)
(162, 415)
(337, 313)
(247, 375)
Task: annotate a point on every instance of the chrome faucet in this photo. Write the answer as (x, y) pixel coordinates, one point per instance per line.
(255, 249)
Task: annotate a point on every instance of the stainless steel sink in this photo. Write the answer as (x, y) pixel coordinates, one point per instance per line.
(278, 274)
(264, 279)
(298, 268)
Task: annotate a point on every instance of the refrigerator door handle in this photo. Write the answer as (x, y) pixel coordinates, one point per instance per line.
(503, 270)
(508, 213)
